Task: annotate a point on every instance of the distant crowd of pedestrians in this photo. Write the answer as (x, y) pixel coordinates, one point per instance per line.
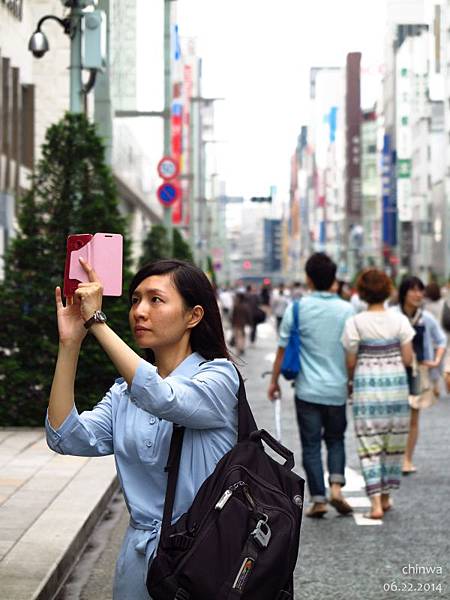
(379, 349)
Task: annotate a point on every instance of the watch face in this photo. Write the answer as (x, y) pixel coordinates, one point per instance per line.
(100, 317)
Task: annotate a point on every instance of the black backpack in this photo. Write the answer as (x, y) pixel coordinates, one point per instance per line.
(240, 537)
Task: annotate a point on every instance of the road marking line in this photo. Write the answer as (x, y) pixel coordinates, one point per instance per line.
(354, 482)
(358, 501)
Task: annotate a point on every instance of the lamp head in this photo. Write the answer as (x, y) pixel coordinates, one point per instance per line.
(79, 3)
(38, 44)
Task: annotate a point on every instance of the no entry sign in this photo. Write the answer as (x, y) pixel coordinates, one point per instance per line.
(167, 193)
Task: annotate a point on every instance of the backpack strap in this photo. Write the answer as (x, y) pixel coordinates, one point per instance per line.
(295, 313)
(246, 420)
(246, 425)
(172, 468)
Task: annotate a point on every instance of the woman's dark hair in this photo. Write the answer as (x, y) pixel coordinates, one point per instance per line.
(321, 270)
(410, 282)
(373, 286)
(207, 337)
(433, 292)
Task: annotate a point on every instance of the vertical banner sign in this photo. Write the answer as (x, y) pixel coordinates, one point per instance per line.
(403, 132)
(353, 141)
(388, 193)
(186, 135)
(177, 121)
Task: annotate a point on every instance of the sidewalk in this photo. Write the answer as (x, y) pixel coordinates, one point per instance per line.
(49, 505)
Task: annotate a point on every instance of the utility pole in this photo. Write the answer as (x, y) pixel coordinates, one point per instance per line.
(76, 83)
(103, 108)
(168, 101)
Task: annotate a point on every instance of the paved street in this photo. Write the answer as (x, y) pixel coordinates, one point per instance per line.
(407, 555)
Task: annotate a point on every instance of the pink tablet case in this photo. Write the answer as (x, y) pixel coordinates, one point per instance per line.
(104, 253)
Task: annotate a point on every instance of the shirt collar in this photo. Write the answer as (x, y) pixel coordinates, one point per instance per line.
(187, 366)
(318, 294)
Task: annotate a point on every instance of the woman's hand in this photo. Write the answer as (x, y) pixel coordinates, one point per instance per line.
(431, 364)
(70, 321)
(89, 294)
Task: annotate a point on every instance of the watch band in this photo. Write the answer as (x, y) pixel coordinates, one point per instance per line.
(97, 317)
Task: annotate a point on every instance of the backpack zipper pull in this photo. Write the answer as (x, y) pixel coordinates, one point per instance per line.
(223, 499)
(249, 497)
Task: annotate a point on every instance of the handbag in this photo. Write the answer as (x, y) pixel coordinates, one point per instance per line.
(259, 316)
(290, 367)
(421, 393)
(240, 537)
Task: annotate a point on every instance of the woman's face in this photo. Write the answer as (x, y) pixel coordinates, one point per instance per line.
(158, 316)
(414, 297)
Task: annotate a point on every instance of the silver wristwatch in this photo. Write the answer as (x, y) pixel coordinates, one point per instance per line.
(97, 317)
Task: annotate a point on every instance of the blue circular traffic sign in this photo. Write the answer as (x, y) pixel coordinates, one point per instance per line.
(167, 193)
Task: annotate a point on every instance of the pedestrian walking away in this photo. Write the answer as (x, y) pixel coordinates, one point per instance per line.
(378, 345)
(257, 314)
(321, 384)
(186, 378)
(241, 316)
(279, 303)
(429, 345)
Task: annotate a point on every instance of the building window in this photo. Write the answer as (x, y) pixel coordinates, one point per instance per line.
(28, 126)
(14, 7)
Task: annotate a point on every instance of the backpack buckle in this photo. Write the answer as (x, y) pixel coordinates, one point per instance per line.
(261, 534)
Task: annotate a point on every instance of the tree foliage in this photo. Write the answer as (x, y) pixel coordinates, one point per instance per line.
(157, 247)
(72, 192)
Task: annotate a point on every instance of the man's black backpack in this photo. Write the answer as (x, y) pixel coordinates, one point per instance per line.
(240, 537)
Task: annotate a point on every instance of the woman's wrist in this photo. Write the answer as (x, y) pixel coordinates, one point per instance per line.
(70, 346)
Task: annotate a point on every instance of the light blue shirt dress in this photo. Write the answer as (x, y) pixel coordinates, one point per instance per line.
(135, 424)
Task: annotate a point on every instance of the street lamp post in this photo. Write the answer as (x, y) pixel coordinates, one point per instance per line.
(167, 214)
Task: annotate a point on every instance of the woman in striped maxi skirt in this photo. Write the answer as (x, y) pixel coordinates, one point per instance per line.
(378, 345)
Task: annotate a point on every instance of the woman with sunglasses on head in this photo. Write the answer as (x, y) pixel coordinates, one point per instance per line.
(186, 378)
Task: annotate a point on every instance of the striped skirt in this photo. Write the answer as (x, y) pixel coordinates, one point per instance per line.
(381, 413)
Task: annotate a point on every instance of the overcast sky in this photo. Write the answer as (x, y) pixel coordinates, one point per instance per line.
(257, 55)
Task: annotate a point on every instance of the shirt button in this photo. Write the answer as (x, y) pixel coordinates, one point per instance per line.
(149, 444)
(152, 421)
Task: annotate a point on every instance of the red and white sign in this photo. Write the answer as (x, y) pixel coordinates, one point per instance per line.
(168, 168)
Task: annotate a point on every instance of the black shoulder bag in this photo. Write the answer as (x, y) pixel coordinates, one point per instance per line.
(240, 537)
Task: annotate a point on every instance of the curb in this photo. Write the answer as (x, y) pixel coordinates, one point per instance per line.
(59, 575)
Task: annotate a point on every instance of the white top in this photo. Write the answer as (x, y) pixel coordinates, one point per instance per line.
(374, 325)
(279, 303)
(226, 299)
(358, 304)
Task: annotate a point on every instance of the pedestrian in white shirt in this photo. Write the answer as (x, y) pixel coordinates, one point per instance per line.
(279, 304)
